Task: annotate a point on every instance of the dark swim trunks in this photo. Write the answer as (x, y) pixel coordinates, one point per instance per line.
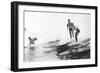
(71, 29)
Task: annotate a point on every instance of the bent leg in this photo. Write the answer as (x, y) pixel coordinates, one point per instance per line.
(76, 36)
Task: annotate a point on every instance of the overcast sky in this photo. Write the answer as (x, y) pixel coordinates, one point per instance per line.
(52, 26)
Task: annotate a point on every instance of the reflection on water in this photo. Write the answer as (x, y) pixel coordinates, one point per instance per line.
(54, 51)
(41, 54)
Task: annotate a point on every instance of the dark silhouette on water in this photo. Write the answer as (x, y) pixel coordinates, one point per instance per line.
(70, 27)
(32, 40)
(77, 31)
(73, 30)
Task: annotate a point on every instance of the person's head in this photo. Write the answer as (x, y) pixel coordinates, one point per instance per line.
(68, 20)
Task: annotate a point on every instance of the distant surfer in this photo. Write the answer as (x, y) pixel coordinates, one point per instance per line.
(31, 41)
(70, 27)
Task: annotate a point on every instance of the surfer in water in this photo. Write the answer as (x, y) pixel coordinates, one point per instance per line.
(32, 40)
(77, 31)
(70, 27)
(73, 30)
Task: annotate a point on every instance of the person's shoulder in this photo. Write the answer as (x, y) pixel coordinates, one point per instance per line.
(71, 23)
